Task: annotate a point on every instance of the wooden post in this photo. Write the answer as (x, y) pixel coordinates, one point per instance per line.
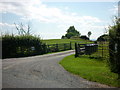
(102, 49)
(64, 47)
(48, 49)
(76, 51)
(57, 49)
(70, 45)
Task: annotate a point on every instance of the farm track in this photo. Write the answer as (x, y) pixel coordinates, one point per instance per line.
(42, 72)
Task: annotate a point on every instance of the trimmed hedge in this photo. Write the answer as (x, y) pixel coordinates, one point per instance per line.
(20, 46)
(27, 45)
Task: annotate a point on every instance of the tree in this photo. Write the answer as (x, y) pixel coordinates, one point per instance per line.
(114, 47)
(22, 29)
(89, 34)
(72, 32)
(63, 37)
(69, 35)
(104, 37)
(84, 37)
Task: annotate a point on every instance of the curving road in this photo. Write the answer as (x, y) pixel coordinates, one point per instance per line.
(42, 72)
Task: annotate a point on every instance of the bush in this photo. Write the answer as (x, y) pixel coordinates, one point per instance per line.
(24, 45)
(114, 47)
(84, 37)
(103, 37)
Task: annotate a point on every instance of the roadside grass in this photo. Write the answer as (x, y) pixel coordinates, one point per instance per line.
(95, 70)
(59, 41)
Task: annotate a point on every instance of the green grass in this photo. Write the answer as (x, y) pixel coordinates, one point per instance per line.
(59, 41)
(91, 69)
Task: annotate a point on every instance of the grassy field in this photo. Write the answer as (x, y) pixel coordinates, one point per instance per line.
(59, 41)
(92, 69)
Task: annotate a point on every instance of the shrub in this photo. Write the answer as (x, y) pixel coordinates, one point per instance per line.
(24, 45)
(114, 47)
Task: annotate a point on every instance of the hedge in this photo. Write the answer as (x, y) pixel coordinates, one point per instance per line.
(114, 47)
(24, 45)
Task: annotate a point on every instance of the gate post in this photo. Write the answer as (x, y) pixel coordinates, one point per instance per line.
(76, 50)
(70, 45)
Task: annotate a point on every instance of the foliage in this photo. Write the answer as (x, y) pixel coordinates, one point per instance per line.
(71, 32)
(75, 37)
(89, 34)
(90, 69)
(17, 46)
(63, 37)
(27, 45)
(84, 37)
(114, 46)
(104, 37)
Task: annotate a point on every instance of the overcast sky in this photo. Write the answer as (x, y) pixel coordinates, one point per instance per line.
(51, 20)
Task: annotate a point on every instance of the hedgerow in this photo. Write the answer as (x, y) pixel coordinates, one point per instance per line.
(22, 45)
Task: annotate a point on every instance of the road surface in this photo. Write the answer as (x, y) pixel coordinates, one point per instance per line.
(42, 71)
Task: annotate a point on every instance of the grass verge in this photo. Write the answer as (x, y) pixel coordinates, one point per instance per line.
(91, 69)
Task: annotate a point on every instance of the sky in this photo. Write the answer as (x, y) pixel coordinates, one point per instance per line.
(51, 19)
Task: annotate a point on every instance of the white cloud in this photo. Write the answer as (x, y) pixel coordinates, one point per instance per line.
(65, 0)
(6, 28)
(50, 35)
(35, 9)
(6, 25)
(66, 8)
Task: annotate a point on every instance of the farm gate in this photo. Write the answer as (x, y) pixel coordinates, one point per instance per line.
(87, 49)
(101, 49)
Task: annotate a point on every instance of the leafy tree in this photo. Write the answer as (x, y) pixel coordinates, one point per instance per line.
(104, 37)
(84, 37)
(75, 37)
(63, 37)
(89, 34)
(114, 47)
(72, 32)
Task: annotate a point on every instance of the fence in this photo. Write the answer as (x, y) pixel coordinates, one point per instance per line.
(103, 50)
(27, 50)
(97, 50)
(87, 49)
(58, 47)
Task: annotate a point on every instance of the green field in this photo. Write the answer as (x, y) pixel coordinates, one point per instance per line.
(92, 69)
(59, 41)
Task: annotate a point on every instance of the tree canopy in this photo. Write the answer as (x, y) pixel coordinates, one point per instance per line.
(104, 37)
(89, 34)
(84, 37)
(114, 47)
(71, 32)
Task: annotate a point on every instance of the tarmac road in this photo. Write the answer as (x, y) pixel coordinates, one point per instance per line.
(42, 71)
